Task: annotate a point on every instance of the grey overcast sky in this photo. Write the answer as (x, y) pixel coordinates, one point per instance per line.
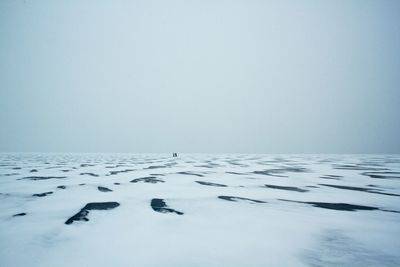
(227, 76)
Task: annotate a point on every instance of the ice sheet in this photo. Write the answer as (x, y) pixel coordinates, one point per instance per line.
(199, 210)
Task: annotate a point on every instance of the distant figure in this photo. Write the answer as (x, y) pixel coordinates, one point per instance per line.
(174, 155)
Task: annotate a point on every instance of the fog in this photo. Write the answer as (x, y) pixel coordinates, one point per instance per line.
(200, 76)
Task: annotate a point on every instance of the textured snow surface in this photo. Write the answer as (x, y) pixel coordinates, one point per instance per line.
(199, 210)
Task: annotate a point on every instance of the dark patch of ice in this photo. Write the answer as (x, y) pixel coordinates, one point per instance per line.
(204, 166)
(331, 177)
(362, 189)
(269, 173)
(82, 214)
(103, 189)
(237, 173)
(211, 184)
(87, 165)
(61, 187)
(19, 214)
(278, 171)
(154, 167)
(190, 173)
(149, 179)
(35, 178)
(339, 206)
(122, 171)
(382, 175)
(90, 174)
(159, 205)
(232, 198)
(42, 194)
(9, 174)
(235, 163)
(289, 188)
(356, 167)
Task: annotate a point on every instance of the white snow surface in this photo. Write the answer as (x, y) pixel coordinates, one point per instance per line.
(212, 231)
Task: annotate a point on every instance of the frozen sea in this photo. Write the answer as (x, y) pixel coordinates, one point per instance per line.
(199, 210)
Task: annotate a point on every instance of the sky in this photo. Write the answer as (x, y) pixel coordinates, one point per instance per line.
(220, 76)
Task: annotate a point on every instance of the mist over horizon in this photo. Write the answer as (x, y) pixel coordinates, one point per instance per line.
(266, 77)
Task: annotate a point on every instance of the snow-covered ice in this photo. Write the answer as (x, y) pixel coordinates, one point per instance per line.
(199, 210)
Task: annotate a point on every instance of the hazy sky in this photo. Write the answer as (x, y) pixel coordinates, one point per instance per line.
(200, 76)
